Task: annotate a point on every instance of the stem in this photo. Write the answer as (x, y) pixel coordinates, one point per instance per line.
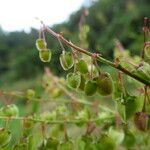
(73, 121)
(99, 58)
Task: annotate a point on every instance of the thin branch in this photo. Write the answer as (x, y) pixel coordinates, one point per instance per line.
(99, 58)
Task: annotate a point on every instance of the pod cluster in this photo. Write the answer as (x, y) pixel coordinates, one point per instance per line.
(44, 52)
(81, 78)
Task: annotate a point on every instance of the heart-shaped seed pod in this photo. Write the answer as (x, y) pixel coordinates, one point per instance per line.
(129, 139)
(147, 51)
(9, 110)
(30, 93)
(45, 55)
(106, 143)
(66, 145)
(82, 83)
(66, 60)
(52, 143)
(40, 44)
(73, 80)
(141, 120)
(90, 87)
(82, 67)
(104, 84)
(5, 137)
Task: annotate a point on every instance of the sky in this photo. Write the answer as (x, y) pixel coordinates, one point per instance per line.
(20, 14)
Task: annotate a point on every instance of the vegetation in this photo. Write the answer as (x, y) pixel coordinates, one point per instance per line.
(104, 100)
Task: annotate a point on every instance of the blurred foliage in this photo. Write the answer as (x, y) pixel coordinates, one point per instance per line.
(107, 19)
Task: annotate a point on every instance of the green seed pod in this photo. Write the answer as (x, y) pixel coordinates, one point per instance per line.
(147, 51)
(52, 143)
(82, 83)
(82, 67)
(106, 143)
(30, 93)
(10, 110)
(5, 137)
(66, 60)
(143, 71)
(129, 139)
(90, 88)
(141, 120)
(104, 84)
(45, 55)
(66, 145)
(73, 80)
(40, 44)
(116, 135)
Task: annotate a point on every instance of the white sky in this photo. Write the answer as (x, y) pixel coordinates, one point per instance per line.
(20, 14)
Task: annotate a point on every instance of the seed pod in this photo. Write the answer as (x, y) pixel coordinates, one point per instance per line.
(141, 120)
(66, 60)
(104, 84)
(82, 83)
(73, 80)
(66, 145)
(106, 143)
(5, 137)
(143, 71)
(82, 67)
(10, 110)
(147, 51)
(30, 93)
(40, 44)
(90, 88)
(116, 135)
(129, 139)
(45, 55)
(52, 143)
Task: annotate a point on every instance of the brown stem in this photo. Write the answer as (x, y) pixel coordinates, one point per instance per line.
(99, 58)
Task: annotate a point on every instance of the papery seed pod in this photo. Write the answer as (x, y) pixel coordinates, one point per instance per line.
(143, 71)
(116, 135)
(67, 145)
(45, 55)
(82, 83)
(73, 80)
(141, 120)
(129, 139)
(106, 143)
(10, 110)
(66, 60)
(147, 51)
(40, 44)
(90, 88)
(52, 143)
(5, 137)
(104, 84)
(30, 93)
(82, 67)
